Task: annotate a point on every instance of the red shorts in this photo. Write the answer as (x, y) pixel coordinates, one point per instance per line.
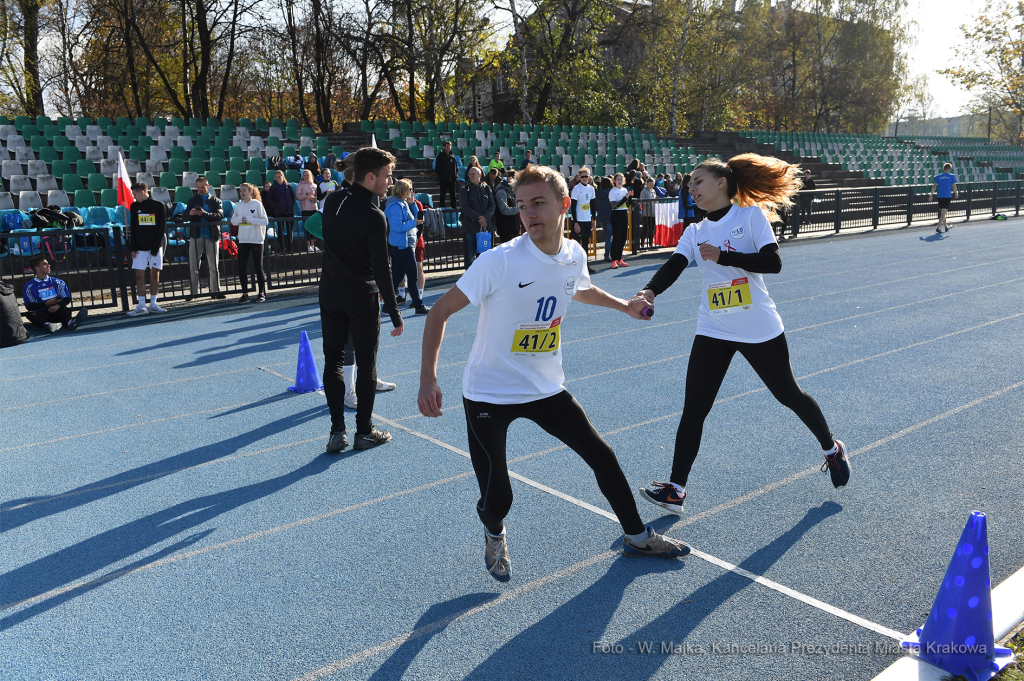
(421, 249)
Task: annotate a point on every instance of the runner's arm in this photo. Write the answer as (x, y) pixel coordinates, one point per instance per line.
(765, 261)
(429, 400)
(595, 296)
(666, 275)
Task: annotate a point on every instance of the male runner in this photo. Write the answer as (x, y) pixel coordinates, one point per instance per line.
(514, 370)
(945, 183)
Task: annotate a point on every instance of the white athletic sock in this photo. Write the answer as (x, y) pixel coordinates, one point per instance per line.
(492, 535)
(349, 372)
(421, 293)
(639, 538)
(401, 292)
(152, 298)
(834, 450)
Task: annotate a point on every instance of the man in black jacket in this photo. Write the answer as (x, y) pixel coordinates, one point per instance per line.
(477, 211)
(356, 275)
(146, 237)
(447, 170)
(203, 210)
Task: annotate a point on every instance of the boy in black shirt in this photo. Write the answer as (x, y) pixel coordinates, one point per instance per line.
(147, 237)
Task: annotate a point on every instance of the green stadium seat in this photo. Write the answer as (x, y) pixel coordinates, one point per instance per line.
(138, 154)
(235, 178)
(293, 175)
(98, 182)
(108, 198)
(176, 166)
(218, 165)
(168, 180)
(71, 182)
(213, 177)
(84, 198)
(178, 153)
(48, 154)
(196, 165)
(253, 177)
(85, 168)
(182, 194)
(237, 163)
(256, 163)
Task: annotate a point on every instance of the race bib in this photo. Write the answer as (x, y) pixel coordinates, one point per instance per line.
(533, 340)
(145, 219)
(47, 294)
(585, 206)
(729, 296)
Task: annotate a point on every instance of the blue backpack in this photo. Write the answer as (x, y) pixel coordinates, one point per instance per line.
(12, 221)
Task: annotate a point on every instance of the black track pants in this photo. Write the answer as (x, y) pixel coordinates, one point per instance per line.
(709, 360)
(561, 416)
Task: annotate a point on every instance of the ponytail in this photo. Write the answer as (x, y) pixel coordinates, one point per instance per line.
(755, 180)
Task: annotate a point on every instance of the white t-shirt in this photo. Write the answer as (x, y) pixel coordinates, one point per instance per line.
(251, 219)
(617, 194)
(583, 194)
(735, 305)
(523, 294)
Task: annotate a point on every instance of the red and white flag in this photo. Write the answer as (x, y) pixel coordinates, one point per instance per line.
(124, 185)
(373, 140)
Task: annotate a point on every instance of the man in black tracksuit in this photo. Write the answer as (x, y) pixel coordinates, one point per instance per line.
(447, 170)
(147, 235)
(356, 274)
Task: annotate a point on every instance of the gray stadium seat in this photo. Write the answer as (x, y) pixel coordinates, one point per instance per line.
(82, 143)
(92, 132)
(254, 153)
(160, 194)
(6, 201)
(10, 169)
(241, 131)
(153, 132)
(273, 151)
(7, 131)
(185, 142)
(108, 166)
(20, 183)
(36, 168)
(154, 166)
(24, 154)
(165, 142)
(45, 183)
(15, 141)
(172, 132)
(145, 177)
(158, 153)
(29, 201)
(113, 150)
(276, 132)
(132, 166)
(103, 141)
(73, 132)
(93, 154)
(4, 154)
(228, 192)
(57, 197)
(257, 143)
(189, 180)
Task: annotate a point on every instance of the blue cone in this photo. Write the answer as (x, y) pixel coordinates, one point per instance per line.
(958, 636)
(307, 378)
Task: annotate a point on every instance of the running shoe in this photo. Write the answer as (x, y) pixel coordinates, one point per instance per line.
(261, 298)
(938, 230)
(78, 319)
(496, 558)
(422, 309)
(655, 545)
(140, 309)
(350, 400)
(668, 495)
(947, 228)
(838, 466)
(243, 300)
(375, 437)
(156, 309)
(623, 263)
(52, 327)
(384, 386)
(337, 442)
(615, 264)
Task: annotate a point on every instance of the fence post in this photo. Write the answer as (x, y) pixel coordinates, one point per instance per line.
(910, 204)
(995, 197)
(875, 210)
(970, 192)
(839, 210)
(119, 258)
(1017, 203)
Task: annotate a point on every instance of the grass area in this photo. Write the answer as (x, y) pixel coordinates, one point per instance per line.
(1012, 672)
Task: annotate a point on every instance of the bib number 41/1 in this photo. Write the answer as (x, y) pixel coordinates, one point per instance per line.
(729, 296)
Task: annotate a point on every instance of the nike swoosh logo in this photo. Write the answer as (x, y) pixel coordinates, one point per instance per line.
(522, 285)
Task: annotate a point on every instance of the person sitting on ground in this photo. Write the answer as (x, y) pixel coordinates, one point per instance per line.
(47, 299)
(147, 239)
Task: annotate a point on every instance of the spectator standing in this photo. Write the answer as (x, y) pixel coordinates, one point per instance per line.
(647, 197)
(506, 218)
(582, 195)
(527, 160)
(603, 215)
(305, 194)
(402, 239)
(493, 177)
(618, 200)
(356, 276)
(474, 162)
(476, 205)
(325, 186)
(47, 299)
(147, 238)
(447, 170)
(280, 203)
(805, 203)
(686, 204)
(250, 217)
(204, 210)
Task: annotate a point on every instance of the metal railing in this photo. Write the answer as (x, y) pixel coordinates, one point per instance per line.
(96, 265)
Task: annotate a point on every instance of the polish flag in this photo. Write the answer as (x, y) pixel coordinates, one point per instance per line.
(373, 140)
(124, 185)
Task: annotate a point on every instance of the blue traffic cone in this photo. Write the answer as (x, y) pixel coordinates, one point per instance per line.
(958, 637)
(307, 378)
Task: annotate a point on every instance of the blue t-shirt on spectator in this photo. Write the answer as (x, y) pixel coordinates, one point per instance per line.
(945, 181)
(46, 290)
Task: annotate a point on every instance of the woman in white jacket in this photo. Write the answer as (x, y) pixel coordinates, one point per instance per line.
(251, 220)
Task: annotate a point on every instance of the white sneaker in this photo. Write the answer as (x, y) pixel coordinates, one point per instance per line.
(53, 327)
(350, 400)
(384, 386)
(496, 558)
(156, 309)
(139, 309)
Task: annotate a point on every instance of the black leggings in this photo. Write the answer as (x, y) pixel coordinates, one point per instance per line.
(709, 360)
(620, 225)
(561, 416)
(243, 266)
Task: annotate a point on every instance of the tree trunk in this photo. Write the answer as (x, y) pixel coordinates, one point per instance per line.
(542, 102)
(30, 46)
(411, 57)
(680, 70)
(230, 60)
(520, 40)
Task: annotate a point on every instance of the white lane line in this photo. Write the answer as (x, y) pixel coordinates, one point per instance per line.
(121, 390)
(231, 542)
(455, 617)
(132, 481)
(101, 366)
(129, 425)
(803, 598)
